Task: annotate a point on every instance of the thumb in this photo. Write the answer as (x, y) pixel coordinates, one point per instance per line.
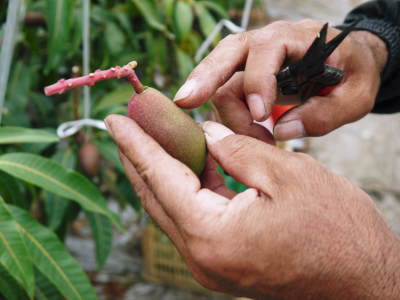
(248, 160)
(316, 117)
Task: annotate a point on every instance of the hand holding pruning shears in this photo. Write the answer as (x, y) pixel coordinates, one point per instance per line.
(298, 226)
(240, 76)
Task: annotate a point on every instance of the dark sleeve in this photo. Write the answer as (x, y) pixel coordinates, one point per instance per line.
(382, 17)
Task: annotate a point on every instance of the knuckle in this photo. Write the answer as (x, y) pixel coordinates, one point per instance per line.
(280, 24)
(310, 23)
(234, 38)
(307, 21)
(146, 171)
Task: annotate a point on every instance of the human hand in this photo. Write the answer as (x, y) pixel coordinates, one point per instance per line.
(261, 54)
(297, 232)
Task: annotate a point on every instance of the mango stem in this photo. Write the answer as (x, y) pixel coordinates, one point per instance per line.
(116, 72)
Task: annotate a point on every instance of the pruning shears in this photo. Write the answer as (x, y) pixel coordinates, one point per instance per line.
(311, 76)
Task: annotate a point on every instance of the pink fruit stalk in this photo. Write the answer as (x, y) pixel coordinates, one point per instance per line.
(171, 127)
(117, 72)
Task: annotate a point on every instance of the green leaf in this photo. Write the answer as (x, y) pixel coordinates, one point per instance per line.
(52, 259)
(185, 64)
(14, 255)
(101, 231)
(215, 7)
(232, 183)
(45, 290)
(183, 19)
(207, 22)
(119, 96)
(76, 32)
(54, 178)
(9, 288)
(149, 13)
(109, 151)
(169, 8)
(56, 207)
(115, 38)
(127, 193)
(17, 95)
(11, 191)
(58, 15)
(11, 135)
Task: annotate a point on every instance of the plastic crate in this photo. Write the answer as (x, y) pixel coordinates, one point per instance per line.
(163, 263)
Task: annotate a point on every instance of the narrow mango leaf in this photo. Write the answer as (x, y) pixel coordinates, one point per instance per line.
(75, 40)
(114, 37)
(56, 207)
(127, 194)
(11, 191)
(109, 151)
(183, 19)
(59, 16)
(169, 8)
(14, 256)
(185, 63)
(101, 231)
(11, 135)
(9, 288)
(119, 96)
(215, 7)
(54, 178)
(52, 259)
(162, 54)
(232, 183)
(149, 13)
(206, 20)
(18, 90)
(45, 290)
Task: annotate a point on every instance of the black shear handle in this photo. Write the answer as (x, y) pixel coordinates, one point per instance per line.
(330, 77)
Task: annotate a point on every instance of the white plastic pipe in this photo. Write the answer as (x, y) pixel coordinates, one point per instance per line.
(86, 57)
(229, 25)
(7, 48)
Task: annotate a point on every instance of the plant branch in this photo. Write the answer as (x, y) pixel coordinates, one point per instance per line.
(116, 72)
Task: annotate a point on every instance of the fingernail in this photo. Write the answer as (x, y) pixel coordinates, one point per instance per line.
(256, 106)
(106, 122)
(186, 90)
(215, 132)
(289, 130)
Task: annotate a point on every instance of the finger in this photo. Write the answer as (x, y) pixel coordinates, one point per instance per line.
(260, 84)
(229, 100)
(172, 182)
(251, 162)
(214, 181)
(320, 115)
(213, 71)
(150, 204)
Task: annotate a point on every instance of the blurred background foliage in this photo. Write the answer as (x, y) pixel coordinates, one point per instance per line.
(35, 200)
(162, 35)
